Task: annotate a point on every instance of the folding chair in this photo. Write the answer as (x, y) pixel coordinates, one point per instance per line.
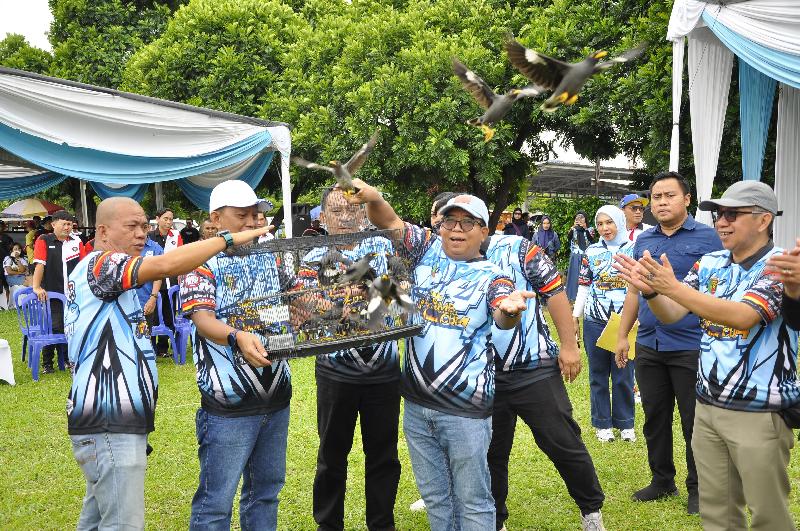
(23, 326)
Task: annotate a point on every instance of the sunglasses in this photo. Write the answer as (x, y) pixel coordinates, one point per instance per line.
(636, 208)
(467, 224)
(730, 215)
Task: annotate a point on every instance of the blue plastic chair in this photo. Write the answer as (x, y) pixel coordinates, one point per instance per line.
(23, 325)
(161, 329)
(183, 326)
(39, 319)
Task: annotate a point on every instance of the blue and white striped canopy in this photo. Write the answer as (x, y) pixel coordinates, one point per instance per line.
(121, 143)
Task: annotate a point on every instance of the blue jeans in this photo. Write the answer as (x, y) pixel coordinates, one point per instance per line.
(113, 465)
(605, 413)
(448, 456)
(232, 447)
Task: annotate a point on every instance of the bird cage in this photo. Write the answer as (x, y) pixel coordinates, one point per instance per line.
(319, 294)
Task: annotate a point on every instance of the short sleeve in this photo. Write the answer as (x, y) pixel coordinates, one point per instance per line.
(585, 276)
(540, 271)
(416, 241)
(110, 274)
(7, 262)
(692, 278)
(500, 288)
(765, 297)
(40, 251)
(198, 290)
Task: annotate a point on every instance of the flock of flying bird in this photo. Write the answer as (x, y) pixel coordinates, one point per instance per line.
(565, 80)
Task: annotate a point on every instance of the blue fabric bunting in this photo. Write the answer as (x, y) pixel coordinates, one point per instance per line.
(134, 191)
(15, 187)
(756, 96)
(201, 196)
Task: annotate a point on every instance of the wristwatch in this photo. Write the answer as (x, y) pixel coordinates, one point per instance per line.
(232, 340)
(226, 235)
(650, 296)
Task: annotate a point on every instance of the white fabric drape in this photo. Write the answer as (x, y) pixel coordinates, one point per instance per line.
(710, 64)
(772, 23)
(678, 47)
(80, 117)
(282, 142)
(10, 172)
(787, 162)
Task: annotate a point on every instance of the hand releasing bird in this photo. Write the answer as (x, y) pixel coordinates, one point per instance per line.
(564, 79)
(496, 105)
(359, 271)
(344, 172)
(384, 291)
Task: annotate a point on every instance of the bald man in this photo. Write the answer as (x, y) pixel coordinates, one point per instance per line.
(111, 405)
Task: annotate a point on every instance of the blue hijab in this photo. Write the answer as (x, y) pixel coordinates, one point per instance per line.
(542, 238)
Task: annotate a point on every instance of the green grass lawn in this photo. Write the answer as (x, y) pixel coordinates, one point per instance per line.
(42, 487)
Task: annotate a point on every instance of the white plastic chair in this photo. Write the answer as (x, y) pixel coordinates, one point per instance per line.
(6, 365)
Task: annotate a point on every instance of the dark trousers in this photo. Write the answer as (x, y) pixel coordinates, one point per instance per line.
(545, 407)
(57, 315)
(338, 406)
(161, 343)
(664, 378)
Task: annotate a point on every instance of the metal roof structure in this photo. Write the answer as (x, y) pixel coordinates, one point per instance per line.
(557, 178)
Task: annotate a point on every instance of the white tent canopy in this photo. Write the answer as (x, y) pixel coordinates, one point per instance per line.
(764, 35)
(121, 143)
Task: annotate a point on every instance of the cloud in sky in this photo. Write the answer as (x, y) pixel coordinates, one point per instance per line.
(30, 18)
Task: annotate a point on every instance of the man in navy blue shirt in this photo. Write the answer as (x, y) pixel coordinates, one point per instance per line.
(667, 355)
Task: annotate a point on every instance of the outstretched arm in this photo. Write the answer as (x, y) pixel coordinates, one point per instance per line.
(379, 211)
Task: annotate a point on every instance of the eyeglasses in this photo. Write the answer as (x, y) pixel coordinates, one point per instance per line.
(636, 208)
(467, 224)
(731, 215)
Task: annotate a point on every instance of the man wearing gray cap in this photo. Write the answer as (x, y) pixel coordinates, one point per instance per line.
(747, 371)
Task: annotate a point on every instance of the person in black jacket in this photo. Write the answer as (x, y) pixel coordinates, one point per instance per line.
(518, 226)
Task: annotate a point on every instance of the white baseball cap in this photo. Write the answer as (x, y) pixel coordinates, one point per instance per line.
(469, 203)
(235, 193)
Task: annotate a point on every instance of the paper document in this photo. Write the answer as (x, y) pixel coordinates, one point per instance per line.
(608, 339)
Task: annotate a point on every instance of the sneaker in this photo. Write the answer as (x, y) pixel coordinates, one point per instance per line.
(164, 355)
(693, 505)
(628, 435)
(418, 505)
(593, 522)
(637, 397)
(48, 370)
(605, 435)
(652, 493)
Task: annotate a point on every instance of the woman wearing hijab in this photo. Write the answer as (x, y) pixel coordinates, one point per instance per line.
(579, 238)
(518, 225)
(601, 292)
(546, 238)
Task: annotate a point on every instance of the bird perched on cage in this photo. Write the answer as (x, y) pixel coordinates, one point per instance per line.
(359, 271)
(344, 172)
(328, 267)
(383, 292)
(564, 79)
(396, 267)
(496, 105)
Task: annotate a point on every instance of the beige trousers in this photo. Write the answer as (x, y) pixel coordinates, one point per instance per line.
(742, 459)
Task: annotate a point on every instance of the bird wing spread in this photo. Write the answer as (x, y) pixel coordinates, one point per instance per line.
(624, 57)
(360, 156)
(537, 67)
(531, 91)
(472, 82)
(310, 165)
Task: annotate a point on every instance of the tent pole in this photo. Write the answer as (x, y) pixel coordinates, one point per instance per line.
(159, 196)
(84, 206)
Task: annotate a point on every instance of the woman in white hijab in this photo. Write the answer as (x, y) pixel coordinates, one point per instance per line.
(602, 291)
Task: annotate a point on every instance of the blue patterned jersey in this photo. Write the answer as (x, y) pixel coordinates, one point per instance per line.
(144, 291)
(370, 364)
(755, 369)
(606, 288)
(528, 346)
(228, 388)
(115, 383)
(449, 367)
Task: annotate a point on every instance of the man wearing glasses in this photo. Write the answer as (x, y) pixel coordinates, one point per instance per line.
(448, 370)
(667, 354)
(632, 205)
(748, 360)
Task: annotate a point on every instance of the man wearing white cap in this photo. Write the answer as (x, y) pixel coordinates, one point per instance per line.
(243, 420)
(632, 205)
(748, 361)
(448, 370)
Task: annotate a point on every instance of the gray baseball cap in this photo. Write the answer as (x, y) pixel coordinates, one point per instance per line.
(470, 204)
(743, 194)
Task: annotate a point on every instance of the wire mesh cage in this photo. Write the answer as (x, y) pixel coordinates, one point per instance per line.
(318, 294)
